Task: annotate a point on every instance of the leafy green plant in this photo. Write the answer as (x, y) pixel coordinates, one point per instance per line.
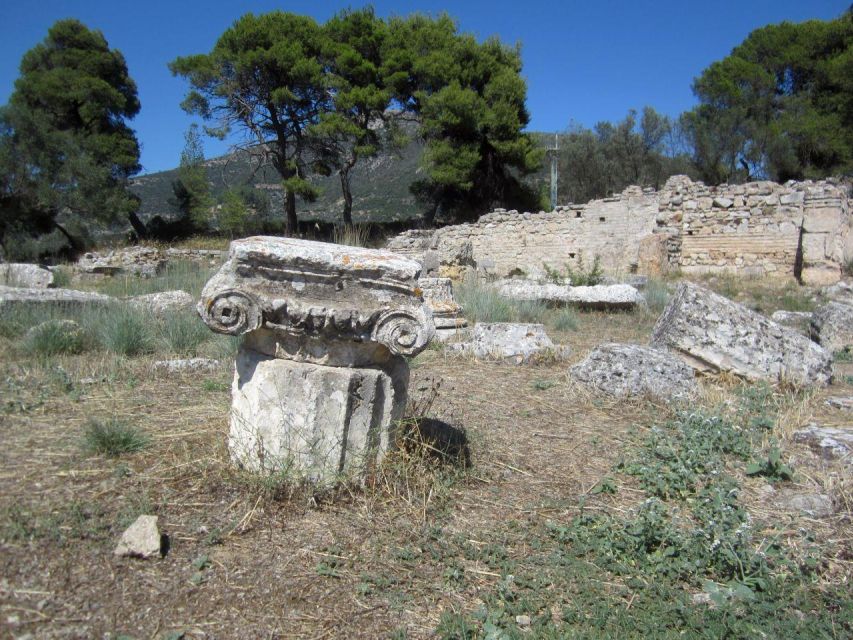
(771, 467)
(579, 276)
(113, 437)
(543, 385)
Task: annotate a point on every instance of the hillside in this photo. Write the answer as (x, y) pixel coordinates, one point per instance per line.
(380, 187)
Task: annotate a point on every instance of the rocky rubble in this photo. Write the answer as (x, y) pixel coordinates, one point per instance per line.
(515, 343)
(624, 370)
(712, 334)
(29, 276)
(832, 326)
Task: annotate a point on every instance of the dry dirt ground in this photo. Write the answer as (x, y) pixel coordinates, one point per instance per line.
(254, 558)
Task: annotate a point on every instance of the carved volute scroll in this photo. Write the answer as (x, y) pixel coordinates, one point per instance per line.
(321, 291)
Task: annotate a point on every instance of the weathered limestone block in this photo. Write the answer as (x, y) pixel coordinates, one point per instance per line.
(164, 303)
(320, 379)
(624, 370)
(516, 343)
(523, 289)
(142, 539)
(712, 333)
(446, 312)
(830, 442)
(600, 296)
(31, 276)
(187, 365)
(12, 297)
(139, 261)
(832, 326)
(840, 292)
(797, 320)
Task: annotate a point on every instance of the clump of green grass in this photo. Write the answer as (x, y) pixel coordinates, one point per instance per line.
(656, 295)
(529, 311)
(352, 235)
(125, 331)
(563, 319)
(186, 275)
(483, 303)
(113, 437)
(55, 337)
(61, 277)
(183, 333)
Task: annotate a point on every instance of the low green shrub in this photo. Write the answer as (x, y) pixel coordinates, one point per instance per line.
(563, 319)
(113, 437)
(482, 303)
(656, 295)
(183, 332)
(55, 337)
(124, 330)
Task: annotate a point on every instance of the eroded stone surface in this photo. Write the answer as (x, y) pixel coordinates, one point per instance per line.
(11, 297)
(187, 365)
(312, 421)
(141, 539)
(798, 320)
(512, 342)
(600, 296)
(841, 402)
(320, 379)
(840, 292)
(446, 313)
(139, 261)
(713, 334)
(30, 276)
(632, 370)
(830, 442)
(164, 302)
(832, 326)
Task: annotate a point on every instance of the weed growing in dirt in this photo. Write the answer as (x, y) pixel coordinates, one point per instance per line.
(482, 303)
(55, 337)
(113, 437)
(656, 295)
(183, 333)
(771, 467)
(563, 319)
(579, 276)
(354, 235)
(125, 331)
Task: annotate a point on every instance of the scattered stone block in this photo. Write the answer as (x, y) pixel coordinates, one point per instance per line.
(189, 365)
(713, 334)
(139, 261)
(600, 296)
(624, 370)
(29, 276)
(840, 292)
(830, 442)
(517, 343)
(446, 313)
(815, 505)
(321, 375)
(142, 539)
(832, 326)
(13, 297)
(164, 302)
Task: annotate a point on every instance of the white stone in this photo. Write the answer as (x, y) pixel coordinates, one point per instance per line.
(832, 326)
(798, 320)
(516, 343)
(11, 297)
(713, 334)
(723, 203)
(164, 302)
(600, 296)
(31, 276)
(188, 365)
(840, 292)
(632, 370)
(314, 422)
(141, 539)
(830, 442)
(841, 402)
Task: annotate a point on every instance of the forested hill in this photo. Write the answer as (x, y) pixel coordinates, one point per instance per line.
(380, 187)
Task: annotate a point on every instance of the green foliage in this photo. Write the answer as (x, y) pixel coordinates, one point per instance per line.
(656, 295)
(771, 467)
(125, 331)
(55, 337)
(563, 319)
(779, 106)
(113, 437)
(64, 140)
(234, 214)
(578, 276)
(183, 332)
(482, 303)
(191, 189)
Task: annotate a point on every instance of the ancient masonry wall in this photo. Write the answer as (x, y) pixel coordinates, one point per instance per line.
(799, 229)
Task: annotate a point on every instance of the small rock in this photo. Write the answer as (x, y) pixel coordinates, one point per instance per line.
(828, 441)
(832, 326)
(840, 292)
(816, 505)
(517, 343)
(31, 276)
(14, 297)
(798, 320)
(165, 302)
(841, 402)
(522, 621)
(186, 366)
(141, 539)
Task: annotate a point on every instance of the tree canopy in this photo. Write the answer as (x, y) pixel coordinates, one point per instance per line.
(780, 106)
(317, 98)
(65, 145)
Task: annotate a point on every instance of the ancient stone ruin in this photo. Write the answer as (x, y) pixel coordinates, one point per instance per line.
(797, 230)
(321, 377)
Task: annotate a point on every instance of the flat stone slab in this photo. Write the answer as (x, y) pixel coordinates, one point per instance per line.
(830, 442)
(30, 276)
(841, 402)
(840, 292)
(164, 302)
(141, 539)
(140, 261)
(11, 297)
(832, 326)
(713, 334)
(600, 296)
(624, 370)
(187, 365)
(516, 343)
(324, 424)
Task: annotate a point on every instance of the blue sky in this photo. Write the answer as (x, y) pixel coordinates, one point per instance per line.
(583, 61)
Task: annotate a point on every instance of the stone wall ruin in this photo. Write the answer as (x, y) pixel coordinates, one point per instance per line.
(797, 230)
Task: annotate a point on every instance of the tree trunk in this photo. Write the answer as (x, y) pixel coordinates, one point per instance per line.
(429, 216)
(345, 188)
(76, 246)
(290, 224)
(138, 225)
